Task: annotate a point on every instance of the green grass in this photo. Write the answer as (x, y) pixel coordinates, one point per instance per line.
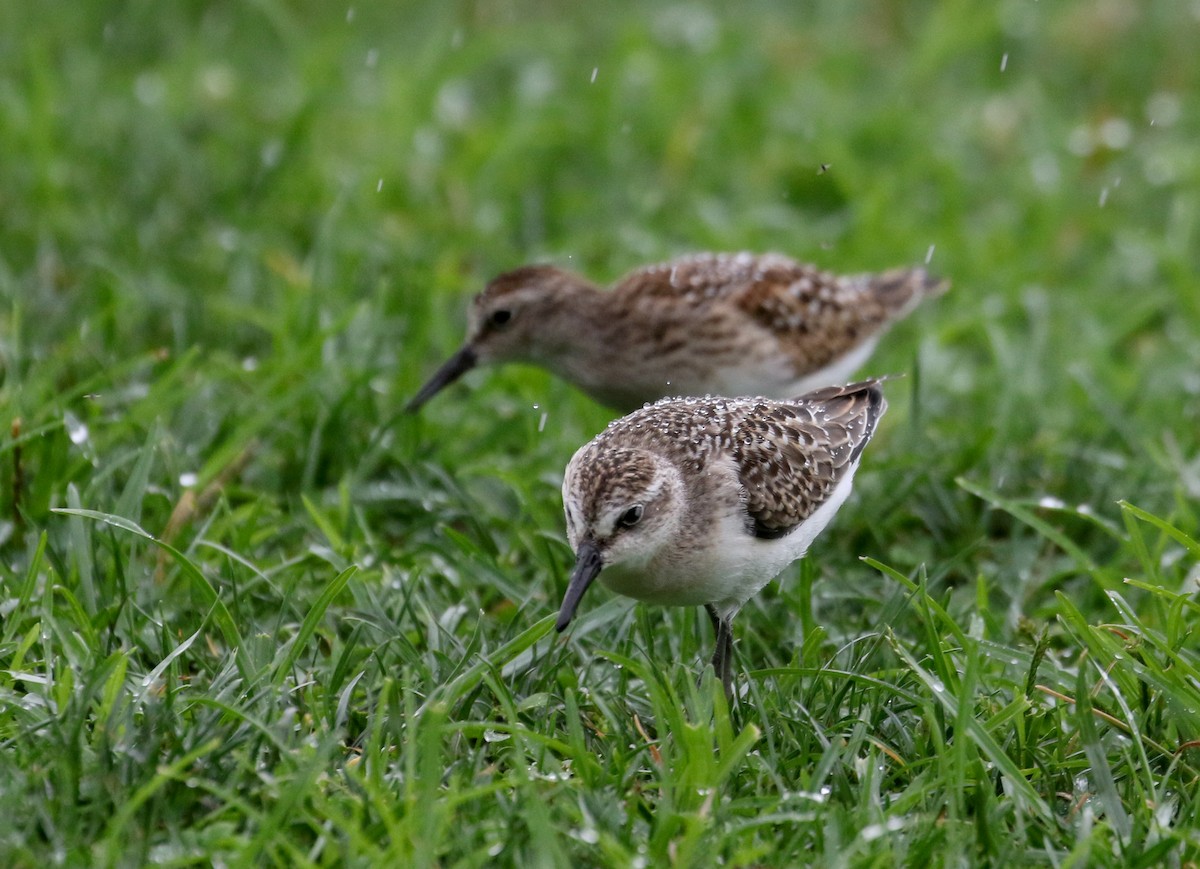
(253, 614)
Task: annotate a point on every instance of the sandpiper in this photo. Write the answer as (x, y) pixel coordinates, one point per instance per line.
(702, 501)
(708, 324)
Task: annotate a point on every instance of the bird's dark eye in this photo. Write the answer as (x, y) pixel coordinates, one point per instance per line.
(631, 517)
(500, 318)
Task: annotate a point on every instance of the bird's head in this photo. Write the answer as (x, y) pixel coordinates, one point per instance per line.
(519, 317)
(622, 507)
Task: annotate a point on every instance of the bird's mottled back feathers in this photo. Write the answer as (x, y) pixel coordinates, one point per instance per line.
(826, 314)
(706, 276)
(819, 438)
(789, 456)
(814, 314)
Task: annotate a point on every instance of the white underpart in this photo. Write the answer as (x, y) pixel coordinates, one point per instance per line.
(771, 376)
(726, 568)
(765, 371)
(839, 371)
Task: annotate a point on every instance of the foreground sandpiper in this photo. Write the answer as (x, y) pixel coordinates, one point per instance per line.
(709, 324)
(701, 502)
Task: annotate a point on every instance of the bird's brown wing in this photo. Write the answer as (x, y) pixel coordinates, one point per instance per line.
(791, 455)
(816, 315)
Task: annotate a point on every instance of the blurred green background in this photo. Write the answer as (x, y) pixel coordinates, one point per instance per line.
(236, 237)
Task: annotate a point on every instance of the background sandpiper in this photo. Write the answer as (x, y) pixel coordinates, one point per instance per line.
(708, 324)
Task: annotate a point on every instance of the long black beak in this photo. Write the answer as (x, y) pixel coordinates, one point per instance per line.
(587, 568)
(455, 367)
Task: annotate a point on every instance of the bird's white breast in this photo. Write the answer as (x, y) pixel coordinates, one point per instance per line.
(726, 566)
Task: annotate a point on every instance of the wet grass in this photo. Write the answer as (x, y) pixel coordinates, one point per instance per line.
(252, 613)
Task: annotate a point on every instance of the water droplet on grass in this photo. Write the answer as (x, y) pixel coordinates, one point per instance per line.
(77, 430)
(1044, 169)
(874, 831)
(1116, 133)
(270, 152)
(1163, 109)
(149, 88)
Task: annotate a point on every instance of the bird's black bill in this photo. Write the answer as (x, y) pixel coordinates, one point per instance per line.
(587, 568)
(455, 367)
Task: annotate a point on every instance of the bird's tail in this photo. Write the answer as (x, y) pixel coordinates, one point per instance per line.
(862, 402)
(900, 290)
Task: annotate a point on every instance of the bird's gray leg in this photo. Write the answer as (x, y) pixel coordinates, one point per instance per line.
(722, 659)
(713, 616)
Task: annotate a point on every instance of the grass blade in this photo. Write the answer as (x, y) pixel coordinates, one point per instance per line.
(220, 614)
(313, 618)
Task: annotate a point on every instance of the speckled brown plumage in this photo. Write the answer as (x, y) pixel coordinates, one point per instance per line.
(788, 456)
(815, 315)
(720, 324)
